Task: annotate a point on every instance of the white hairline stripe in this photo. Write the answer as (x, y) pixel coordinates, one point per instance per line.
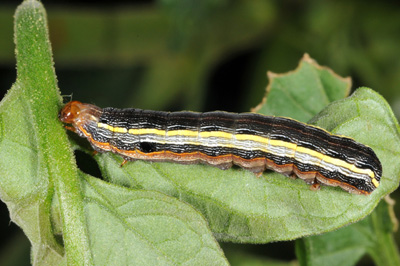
(190, 137)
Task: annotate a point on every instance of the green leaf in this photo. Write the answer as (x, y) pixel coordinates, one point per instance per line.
(145, 228)
(242, 208)
(303, 92)
(373, 235)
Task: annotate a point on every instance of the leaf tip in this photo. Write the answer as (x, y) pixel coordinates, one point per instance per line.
(306, 58)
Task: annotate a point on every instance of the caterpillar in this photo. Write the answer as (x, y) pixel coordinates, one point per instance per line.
(252, 141)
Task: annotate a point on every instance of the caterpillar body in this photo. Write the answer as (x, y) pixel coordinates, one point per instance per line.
(249, 140)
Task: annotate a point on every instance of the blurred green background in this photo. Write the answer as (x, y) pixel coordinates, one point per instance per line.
(204, 55)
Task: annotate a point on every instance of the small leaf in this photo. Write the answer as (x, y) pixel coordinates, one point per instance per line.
(140, 227)
(373, 235)
(303, 92)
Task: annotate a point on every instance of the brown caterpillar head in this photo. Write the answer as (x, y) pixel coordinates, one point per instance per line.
(70, 112)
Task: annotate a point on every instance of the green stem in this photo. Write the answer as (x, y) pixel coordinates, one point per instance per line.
(36, 76)
(385, 252)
